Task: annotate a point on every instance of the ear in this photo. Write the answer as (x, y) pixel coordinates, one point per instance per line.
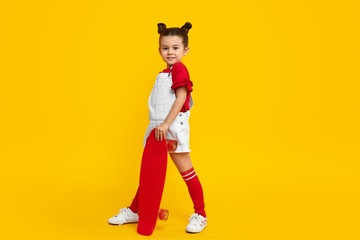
(186, 50)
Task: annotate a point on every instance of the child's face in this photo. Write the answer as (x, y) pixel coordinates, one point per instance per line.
(172, 49)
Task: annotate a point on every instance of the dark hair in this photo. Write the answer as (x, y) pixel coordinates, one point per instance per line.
(175, 31)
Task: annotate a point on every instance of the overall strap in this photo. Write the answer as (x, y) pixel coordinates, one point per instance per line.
(170, 70)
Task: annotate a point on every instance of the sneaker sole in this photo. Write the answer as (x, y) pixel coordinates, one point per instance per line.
(121, 224)
(193, 232)
(188, 231)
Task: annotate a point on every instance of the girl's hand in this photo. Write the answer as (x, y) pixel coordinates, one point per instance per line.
(160, 131)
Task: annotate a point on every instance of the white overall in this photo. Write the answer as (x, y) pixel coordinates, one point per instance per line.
(161, 99)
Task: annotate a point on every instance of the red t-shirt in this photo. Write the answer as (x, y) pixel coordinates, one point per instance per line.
(181, 77)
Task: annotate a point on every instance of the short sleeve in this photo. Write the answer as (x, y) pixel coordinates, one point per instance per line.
(180, 77)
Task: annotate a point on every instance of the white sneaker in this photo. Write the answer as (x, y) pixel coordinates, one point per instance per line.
(197, 223)
(125, 215)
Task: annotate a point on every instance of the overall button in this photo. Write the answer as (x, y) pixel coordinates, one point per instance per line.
(180, 115)
(181, 123)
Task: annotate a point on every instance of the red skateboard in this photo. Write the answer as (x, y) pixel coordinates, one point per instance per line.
(152, 181)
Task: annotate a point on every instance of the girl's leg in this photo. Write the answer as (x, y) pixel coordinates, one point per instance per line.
(184, 165)
(182, 161)
(135, 203)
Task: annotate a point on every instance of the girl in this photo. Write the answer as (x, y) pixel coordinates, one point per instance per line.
(169, 111)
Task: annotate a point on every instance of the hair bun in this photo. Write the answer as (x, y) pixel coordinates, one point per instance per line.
(186, 27)
(161, 27)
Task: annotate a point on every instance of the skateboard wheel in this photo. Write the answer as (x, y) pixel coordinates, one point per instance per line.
(163, 214)
(171, 144)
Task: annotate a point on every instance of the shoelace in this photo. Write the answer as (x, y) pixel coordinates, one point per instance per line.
(195, 219)
(125, 211)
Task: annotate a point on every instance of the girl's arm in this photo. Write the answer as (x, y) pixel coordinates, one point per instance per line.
(181, 93)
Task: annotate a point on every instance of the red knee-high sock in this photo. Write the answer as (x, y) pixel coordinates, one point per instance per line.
(194, 186)
(135, 203)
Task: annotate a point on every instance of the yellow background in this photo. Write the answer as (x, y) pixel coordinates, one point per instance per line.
(274, 127)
